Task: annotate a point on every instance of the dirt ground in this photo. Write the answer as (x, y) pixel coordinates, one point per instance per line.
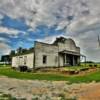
(90, 92)
(49, 90)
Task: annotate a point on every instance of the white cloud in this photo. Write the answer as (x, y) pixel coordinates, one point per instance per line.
(4, 48)
(4, 40)
(51, 39)
(1, 16)
(36, 12)
(88, 42)
(10, 31)
(84, 27)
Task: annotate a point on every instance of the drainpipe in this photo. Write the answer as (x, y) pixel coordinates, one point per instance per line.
(65, 59)
(58, 57)
(34, 57)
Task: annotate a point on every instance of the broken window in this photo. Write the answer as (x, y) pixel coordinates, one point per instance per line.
(44, 59)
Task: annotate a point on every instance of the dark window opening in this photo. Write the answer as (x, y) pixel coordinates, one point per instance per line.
(44, 59)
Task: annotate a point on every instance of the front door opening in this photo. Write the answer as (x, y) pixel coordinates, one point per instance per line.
(70, 60)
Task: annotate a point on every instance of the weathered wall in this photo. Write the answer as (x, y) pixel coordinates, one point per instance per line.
(14, 62)
(69, 45)
(30, 59)
(21, 60)
(46, 49)
(61, 60)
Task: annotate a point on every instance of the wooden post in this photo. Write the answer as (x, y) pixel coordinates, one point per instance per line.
(65, 59)
(85, 61)
(73, 61)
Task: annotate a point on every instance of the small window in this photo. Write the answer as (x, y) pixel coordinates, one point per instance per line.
(44, 59)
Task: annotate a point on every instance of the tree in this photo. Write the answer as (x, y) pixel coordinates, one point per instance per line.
(24, 50)
(5, 58)
(12, 52)
(19, 50)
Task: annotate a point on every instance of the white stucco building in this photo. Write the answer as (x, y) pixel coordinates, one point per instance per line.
(62, 52)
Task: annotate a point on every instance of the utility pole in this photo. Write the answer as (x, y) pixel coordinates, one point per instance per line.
(98, 41)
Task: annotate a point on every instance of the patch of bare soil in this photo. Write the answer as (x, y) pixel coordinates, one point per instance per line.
(90, 92)
(62, 71)
(49, 90)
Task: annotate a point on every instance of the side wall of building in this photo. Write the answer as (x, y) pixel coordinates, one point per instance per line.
(23, 60)
(14, 62)
(61, 60)
(51, 53)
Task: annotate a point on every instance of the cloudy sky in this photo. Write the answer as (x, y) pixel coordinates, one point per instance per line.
(24, 21)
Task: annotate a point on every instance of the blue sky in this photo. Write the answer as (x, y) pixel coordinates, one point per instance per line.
(27, 39)
(24, 21)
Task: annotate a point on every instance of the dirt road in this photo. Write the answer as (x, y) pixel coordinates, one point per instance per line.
(48, 90)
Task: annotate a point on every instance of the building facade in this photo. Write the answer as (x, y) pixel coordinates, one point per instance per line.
(63, 52)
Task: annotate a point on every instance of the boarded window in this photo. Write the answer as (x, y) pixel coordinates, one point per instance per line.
(44, 59)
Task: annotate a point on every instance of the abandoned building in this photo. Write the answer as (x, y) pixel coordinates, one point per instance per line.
(62, 52)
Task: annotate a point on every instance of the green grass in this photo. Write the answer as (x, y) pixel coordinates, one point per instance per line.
(6, 71)
(2, 65)
(26, 75)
